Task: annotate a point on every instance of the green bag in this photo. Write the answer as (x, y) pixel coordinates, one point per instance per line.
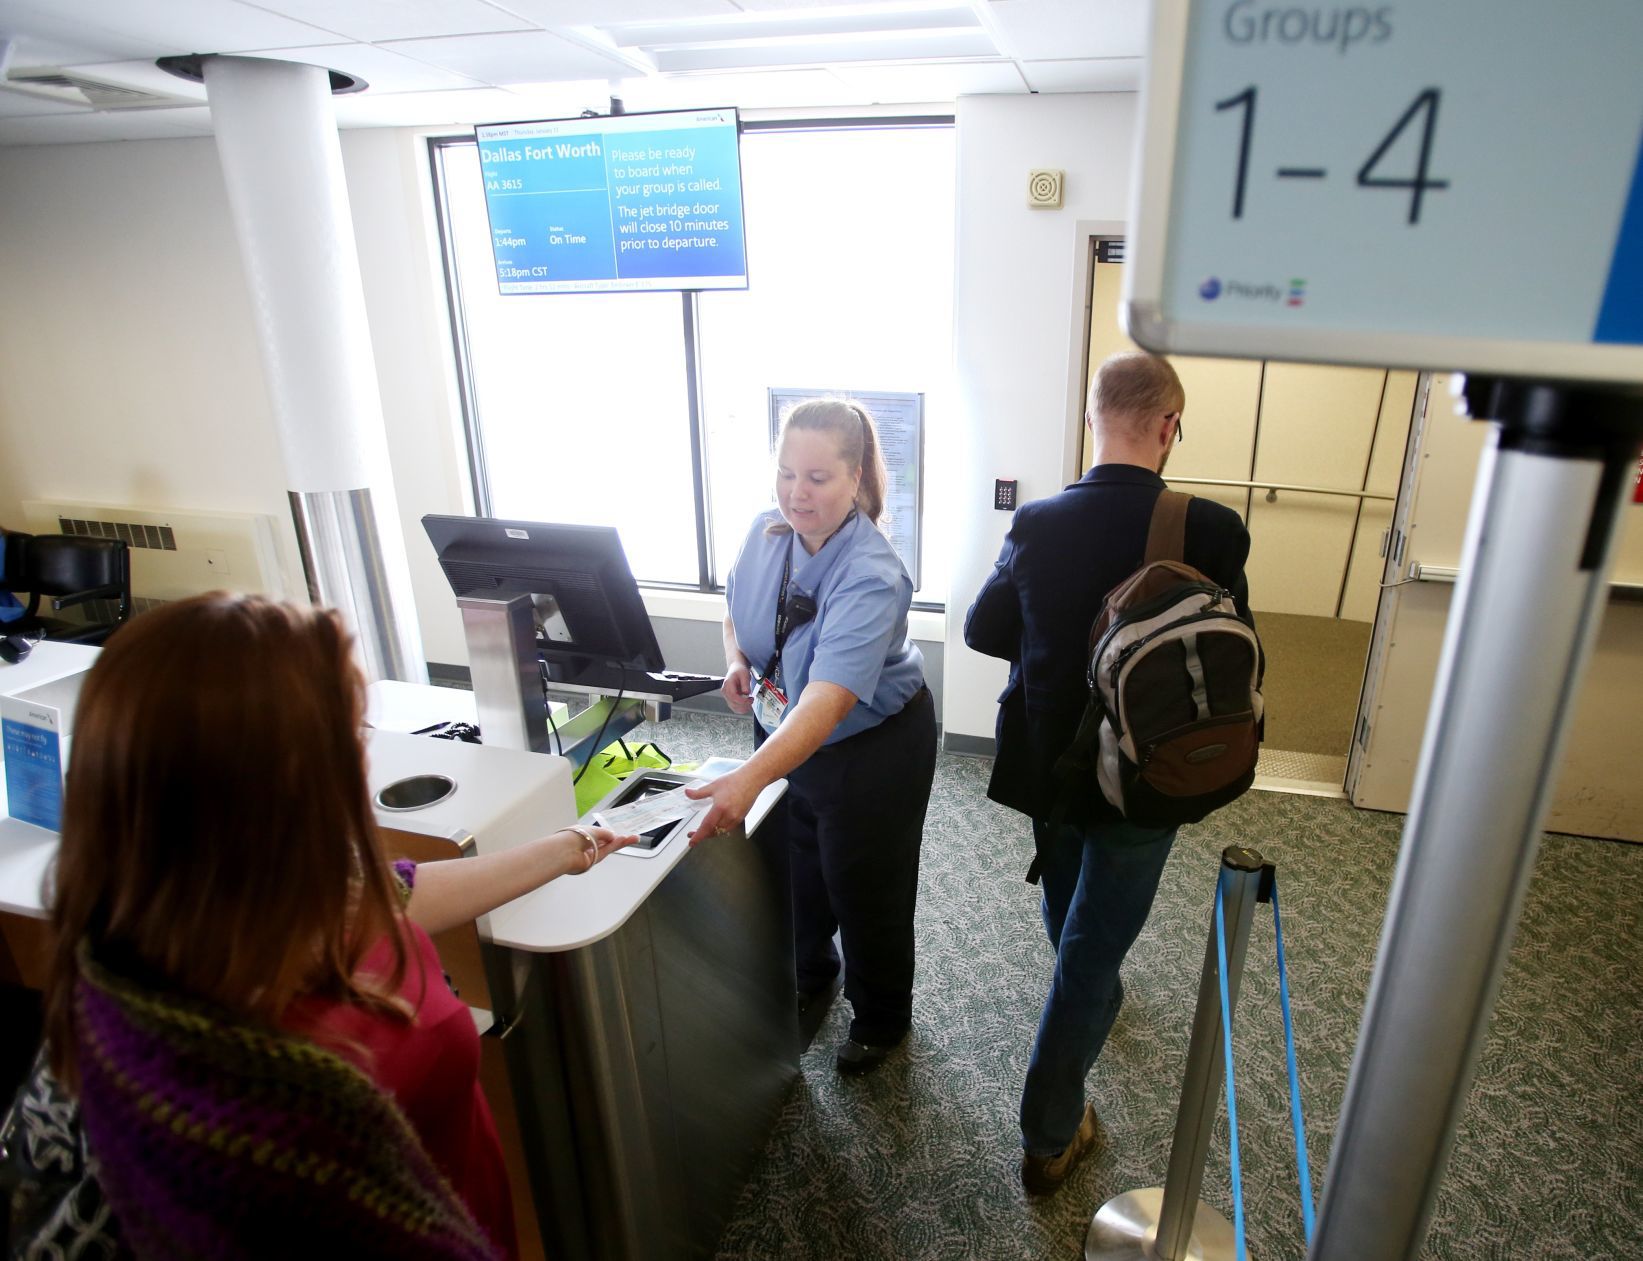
(614, 763)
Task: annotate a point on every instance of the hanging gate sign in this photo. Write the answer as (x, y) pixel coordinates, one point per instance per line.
(1444, 184)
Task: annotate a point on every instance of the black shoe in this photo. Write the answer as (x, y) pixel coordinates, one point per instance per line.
(863, 1057)
(821, 996)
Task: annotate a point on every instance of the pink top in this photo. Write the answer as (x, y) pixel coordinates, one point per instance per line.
(431, 1067)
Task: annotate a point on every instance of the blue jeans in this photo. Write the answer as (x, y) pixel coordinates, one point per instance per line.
(1099, 883)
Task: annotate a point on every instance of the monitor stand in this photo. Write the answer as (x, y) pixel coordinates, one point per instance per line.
(509, 689)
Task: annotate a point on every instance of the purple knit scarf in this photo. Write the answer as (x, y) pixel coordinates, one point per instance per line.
(217, 1138)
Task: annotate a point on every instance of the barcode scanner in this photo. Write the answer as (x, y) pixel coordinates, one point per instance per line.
(13, 648)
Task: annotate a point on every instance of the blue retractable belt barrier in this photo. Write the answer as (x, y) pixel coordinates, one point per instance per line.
(1303, 1171)
(1226, 1043)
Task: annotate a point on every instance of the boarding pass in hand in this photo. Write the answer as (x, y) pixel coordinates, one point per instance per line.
(653, 811)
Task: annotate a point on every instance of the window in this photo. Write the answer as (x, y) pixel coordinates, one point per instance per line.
(648, 411)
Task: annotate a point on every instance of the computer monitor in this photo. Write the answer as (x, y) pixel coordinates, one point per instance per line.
(592, 628)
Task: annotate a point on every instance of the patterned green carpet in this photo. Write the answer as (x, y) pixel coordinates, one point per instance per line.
(919, 1159)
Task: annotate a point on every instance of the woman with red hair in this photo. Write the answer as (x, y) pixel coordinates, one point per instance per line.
(244, 1005)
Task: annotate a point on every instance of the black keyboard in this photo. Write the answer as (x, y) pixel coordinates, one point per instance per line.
(612, 678)
(677, 683)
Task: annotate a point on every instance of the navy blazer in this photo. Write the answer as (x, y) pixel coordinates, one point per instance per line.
(1060, 559)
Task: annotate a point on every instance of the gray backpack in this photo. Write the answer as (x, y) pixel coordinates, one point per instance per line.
(1173, 724)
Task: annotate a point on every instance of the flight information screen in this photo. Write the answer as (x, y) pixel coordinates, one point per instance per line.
(607, 204)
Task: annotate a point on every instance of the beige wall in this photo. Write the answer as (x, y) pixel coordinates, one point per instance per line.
(129, 367)
(1599, 792)
(1018, 334)
(129, 371)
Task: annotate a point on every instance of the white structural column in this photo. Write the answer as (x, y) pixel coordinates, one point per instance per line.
(277, 139)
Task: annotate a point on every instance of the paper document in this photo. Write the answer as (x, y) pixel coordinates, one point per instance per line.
(652, 812)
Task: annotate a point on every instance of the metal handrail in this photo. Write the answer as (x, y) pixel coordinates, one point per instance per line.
(1277, 486)
(1448, 573)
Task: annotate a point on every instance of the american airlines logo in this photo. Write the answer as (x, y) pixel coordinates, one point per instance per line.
(1214, 289)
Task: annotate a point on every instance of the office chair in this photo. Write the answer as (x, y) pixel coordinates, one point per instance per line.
(68, 570)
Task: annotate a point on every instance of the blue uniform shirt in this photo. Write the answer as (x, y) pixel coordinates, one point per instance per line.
(858, 638)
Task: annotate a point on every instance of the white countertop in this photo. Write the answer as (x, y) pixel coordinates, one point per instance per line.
(48, 661)
(570, 912)
(394, 706)
(577, 910)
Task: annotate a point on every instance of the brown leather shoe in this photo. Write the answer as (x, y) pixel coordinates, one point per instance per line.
(1043, 1175)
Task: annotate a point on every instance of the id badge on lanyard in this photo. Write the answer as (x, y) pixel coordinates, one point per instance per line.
(769, 697)
(769, 703)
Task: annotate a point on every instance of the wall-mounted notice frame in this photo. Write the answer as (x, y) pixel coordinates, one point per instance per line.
(630, 202)
(1446, 184)
(899, 419)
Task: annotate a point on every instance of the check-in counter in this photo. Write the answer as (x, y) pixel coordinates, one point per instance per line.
(645, 1010)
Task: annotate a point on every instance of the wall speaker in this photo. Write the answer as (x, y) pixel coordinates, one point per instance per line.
(1044, 189)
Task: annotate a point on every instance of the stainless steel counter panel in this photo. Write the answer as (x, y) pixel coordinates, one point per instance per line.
(650, 1065)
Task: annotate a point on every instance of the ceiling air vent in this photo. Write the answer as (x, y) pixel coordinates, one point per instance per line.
(69, 88)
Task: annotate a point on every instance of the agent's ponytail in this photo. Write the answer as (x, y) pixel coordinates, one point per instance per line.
(875, 476)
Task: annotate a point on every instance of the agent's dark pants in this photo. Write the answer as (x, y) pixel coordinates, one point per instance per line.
(853, 825)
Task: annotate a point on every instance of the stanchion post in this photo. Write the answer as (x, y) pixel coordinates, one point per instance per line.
(1169, 1223)
(1534, 581)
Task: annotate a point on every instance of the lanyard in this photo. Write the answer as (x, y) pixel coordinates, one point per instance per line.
(787, 623)
(783, 629)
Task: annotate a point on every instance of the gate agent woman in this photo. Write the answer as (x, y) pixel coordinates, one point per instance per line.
(816, 648)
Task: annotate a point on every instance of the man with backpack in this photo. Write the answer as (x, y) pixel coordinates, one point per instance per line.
(1107, 772)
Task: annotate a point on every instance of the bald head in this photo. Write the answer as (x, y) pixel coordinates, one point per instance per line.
(1132, 392)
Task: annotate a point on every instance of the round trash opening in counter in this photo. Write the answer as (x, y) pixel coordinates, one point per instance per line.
(416, 792)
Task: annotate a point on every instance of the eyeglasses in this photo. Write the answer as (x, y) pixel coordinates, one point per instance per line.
(1180, 436)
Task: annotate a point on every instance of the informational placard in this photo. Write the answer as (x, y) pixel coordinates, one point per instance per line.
(1431, 183)
(899, 419)
(35, 730)
(628, 202)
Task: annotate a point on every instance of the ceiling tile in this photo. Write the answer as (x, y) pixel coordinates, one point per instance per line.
(434, 109)
(520, 58)
(430, 62)
(774, 6)
(894, 46)
(373, 21)
(780, 89)
(383, 69)
(1106, 74)
(158, 27)
(790, 27)
(886, 85)
(1043, 30)
(32, 52)
(606, 13)
(48, 35)
(748, 91)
